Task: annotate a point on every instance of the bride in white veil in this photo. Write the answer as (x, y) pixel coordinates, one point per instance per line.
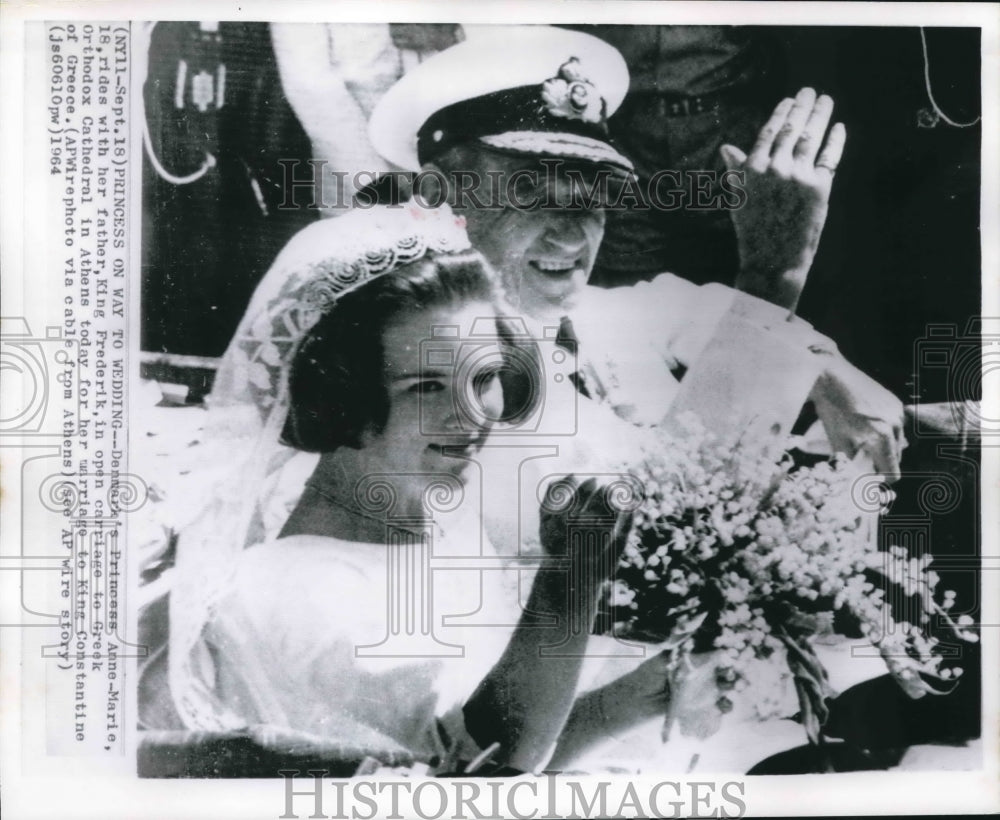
(303, 599)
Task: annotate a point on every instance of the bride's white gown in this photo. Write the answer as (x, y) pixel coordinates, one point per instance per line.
(289, 645)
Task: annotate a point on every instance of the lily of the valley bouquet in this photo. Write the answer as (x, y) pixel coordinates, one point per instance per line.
(746, 559)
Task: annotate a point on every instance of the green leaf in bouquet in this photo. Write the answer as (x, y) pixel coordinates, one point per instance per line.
(812, 684)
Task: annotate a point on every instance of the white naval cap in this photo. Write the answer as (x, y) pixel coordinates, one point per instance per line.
(529, 90)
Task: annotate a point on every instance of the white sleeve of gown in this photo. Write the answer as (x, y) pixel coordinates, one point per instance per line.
(683, 317)
(676, 315)
(748, 362)
(286, 652)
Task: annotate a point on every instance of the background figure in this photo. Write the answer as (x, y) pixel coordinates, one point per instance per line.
(334, 75)
(901, 249)
(218, 123)
(692, 89)
(902, 238)
(234, 112)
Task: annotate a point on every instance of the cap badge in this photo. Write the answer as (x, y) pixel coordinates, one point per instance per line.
(571, 95)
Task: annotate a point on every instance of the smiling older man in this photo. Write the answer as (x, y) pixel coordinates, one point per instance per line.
(512, 124)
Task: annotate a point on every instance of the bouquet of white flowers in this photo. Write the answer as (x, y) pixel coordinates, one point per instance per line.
(735, 551)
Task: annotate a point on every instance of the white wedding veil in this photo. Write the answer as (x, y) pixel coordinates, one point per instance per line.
(247, 410)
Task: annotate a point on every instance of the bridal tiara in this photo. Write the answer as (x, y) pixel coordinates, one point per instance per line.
(370, 244)
(315, 270)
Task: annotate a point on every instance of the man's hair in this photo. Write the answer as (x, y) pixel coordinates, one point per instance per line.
(337, 386)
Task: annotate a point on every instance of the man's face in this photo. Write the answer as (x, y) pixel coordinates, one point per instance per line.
(544, 254)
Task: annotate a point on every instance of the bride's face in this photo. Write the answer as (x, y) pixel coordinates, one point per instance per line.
(440, 408)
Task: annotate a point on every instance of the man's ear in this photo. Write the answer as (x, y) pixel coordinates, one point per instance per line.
(366, 436)
(433, 186)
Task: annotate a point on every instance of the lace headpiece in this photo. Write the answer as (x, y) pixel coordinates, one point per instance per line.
(318, 266)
